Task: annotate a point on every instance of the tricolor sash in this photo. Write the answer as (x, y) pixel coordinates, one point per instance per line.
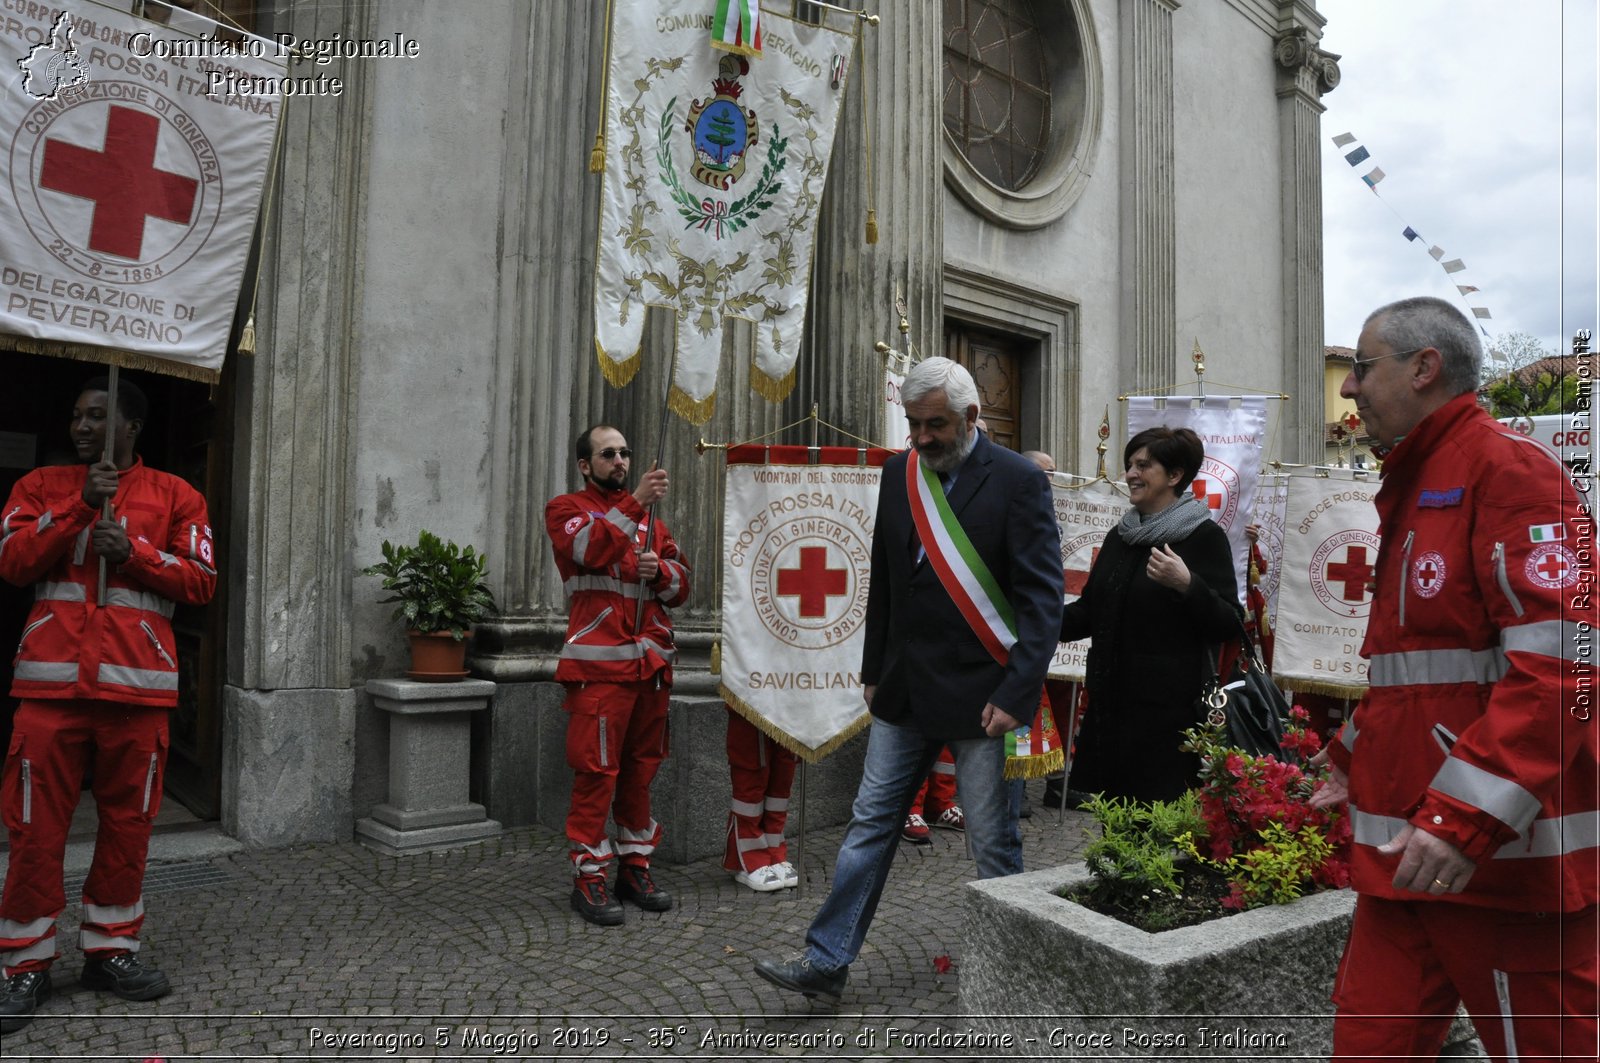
(1034, 749)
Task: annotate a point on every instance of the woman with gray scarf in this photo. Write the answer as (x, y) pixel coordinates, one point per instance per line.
(1160, 596)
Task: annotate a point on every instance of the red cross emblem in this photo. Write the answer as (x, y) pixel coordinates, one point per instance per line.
(1552, 566)
(1073, 580)
(813, 582)
(122, 181)
(1428, 573)
(1353, 573)
(1202, 491)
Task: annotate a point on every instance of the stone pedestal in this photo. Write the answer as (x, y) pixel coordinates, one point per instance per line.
(430, 742)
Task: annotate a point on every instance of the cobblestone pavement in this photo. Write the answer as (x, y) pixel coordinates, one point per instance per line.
(337, 951)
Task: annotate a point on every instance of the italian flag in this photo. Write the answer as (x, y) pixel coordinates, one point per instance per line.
(736, 27)
(1547, 533)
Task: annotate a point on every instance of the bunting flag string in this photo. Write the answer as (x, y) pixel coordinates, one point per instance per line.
(1358, 155)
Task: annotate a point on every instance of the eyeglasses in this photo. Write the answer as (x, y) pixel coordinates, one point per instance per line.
(612, 453)
(1359, 367)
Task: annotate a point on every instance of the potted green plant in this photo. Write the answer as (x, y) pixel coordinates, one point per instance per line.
(441, 593)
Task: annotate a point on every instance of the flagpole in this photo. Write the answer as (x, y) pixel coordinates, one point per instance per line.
(661, 450)
(108, 453)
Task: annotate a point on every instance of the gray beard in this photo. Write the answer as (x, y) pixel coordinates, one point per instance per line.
(950, 460)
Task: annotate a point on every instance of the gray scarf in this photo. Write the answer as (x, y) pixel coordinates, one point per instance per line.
(1172, 525)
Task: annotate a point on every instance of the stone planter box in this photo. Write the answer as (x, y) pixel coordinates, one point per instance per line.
(1249, 986)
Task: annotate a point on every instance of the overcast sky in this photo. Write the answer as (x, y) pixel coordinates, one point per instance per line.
(1482, 115)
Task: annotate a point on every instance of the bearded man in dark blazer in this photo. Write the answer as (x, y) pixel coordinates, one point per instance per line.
(963, 613)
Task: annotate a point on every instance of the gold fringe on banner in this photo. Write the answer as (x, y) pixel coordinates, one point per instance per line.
(695, 411)
(1036, 767)
(799, 749)
(82, 352)
(773, 389)
(618, 374)
(1316, 686)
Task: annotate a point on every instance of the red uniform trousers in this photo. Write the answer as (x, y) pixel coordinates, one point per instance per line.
(762, 773)
(938, 790)
(52, 743)
(616, 740)
(1528, 980)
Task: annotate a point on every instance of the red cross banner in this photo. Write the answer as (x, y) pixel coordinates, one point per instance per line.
(797, 558)
(1085, 513)
(129, 188)
(1330, 545)
(1232, 427)
(1272, 506)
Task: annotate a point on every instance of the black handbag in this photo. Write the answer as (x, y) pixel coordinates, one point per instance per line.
(1250, 704)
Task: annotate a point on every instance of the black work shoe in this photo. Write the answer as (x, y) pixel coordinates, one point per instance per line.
(798, 975)
(594, 902)
(635, 885)
(124, 975)
(24, 992)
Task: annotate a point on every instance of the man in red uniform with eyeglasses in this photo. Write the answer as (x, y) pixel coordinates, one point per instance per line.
(617, 667)
(97, 677)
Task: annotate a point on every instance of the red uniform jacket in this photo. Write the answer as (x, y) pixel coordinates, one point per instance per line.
(121, 649)
(1478, 723)
(593, 534)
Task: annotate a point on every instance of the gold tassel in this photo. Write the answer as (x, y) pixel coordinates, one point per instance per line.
(716, 656)
(247, 337)
(872, 226)
(597, 154)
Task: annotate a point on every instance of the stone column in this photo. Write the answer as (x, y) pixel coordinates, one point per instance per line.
(1149, 249)
(1305, 72)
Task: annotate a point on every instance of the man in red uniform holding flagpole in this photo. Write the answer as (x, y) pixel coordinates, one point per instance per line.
(617, 667)
(97, 676)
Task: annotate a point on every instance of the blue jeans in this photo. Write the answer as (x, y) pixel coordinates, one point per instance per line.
(898, 759)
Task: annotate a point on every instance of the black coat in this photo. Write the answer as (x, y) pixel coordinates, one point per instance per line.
(931, 671)
(1147, 662)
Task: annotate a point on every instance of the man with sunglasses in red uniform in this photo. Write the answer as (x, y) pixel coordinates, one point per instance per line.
(616, 664)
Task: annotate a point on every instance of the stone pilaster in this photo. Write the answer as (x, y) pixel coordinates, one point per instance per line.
(1305, 72)
(1149, 244)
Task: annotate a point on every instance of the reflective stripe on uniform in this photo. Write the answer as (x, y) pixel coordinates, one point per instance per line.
(747, 845)
(43, 949)
(1503, 799)
(13, 930)
(777, 804)
(1543, 838)
(622, 521)
(1436, 667)
(59, 592)
(580, 541)
(608, 584)
(1560, 639)
(674, 581)
(746, 808)
(1347, 734)
(143, 678)
(631, 651)
(93, 939)
(106, 914)
(47, 671)
(128, 598)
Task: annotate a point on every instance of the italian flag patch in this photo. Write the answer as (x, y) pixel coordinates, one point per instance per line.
(1546, 533)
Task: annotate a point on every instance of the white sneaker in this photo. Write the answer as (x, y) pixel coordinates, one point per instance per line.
(762, 879)
(791, 877)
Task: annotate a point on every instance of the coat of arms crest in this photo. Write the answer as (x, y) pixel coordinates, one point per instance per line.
(723, 131)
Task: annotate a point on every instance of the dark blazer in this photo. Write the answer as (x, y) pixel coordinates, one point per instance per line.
(931, 671)
(1147, 662)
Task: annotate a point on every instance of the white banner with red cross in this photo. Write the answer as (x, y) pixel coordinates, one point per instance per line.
(1271, 516)
(1330, 545)
(797, 560)
(1085, 513)
(1232, 427)
(132, 177)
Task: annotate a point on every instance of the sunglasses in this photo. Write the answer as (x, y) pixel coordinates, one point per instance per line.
(613, 453)
(1359, 366)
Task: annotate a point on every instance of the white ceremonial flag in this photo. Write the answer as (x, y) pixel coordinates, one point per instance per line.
(1271, 517)
(1330, 545)
(896, 429)
(714, 171)
(1232, 429)
(797, 544)
(1085, 514)
(129, 191)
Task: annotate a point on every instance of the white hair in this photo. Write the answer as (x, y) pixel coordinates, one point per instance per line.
(941, 374)
(1427, 321)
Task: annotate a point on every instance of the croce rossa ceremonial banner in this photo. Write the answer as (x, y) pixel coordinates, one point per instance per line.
(1330, 545)
(797, 558)
(130, 187)
(714, 169)
(1085, 513)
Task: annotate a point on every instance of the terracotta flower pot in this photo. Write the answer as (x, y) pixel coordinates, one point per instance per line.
(437, 657)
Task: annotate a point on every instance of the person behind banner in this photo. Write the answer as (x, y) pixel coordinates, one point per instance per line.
(1470, 767)
(962, 614)
(97, 678)
(761, 772)
(617, 672)
(1159, 599)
